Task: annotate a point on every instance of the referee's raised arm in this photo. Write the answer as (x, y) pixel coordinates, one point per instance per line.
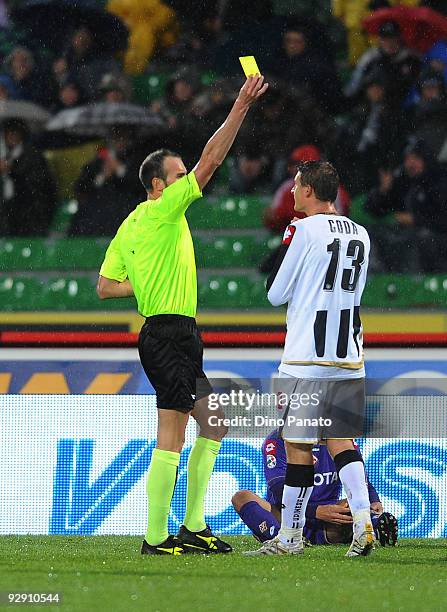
(216, 149)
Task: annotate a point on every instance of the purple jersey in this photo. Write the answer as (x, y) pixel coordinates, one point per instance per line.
(327, 487)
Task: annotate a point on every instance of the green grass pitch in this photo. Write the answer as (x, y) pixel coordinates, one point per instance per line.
(107, 573)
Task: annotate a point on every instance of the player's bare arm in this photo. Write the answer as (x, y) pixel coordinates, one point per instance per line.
(109, 288)
(216, 149)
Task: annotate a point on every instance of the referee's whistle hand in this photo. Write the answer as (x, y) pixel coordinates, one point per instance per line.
(253, 88)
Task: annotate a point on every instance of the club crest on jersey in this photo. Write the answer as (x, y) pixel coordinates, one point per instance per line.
(271, 461)
(288, 234)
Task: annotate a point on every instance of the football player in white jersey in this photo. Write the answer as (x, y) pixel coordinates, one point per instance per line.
(320, 274)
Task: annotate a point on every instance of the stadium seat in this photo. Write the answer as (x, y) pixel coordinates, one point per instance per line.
(69, 293)
(231, 291)
(224, 291)
(63, 216)
(233, 251)
(22, 254)
(35, 254)
(207, 78)
(227, 212)
(405, 291)
(149, 87)
(20, 293)
(78, 293)
(77, 253)
(358, 213)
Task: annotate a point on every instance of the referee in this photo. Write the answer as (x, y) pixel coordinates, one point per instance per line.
(152, 258)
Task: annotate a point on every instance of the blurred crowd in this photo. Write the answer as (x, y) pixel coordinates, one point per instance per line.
(372, 103)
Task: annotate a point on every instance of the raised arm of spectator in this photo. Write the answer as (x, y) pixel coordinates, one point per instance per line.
(216, 149)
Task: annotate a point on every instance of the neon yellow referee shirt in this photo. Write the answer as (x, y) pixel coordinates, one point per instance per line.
(153, 248)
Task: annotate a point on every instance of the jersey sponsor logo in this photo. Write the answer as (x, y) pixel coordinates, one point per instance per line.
(271, 461)
(270, 447)
(325, 478)
(288, 234)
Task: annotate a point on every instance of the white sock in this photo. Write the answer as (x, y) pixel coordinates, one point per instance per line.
(293, 514)
(353, 479)
(360, 519)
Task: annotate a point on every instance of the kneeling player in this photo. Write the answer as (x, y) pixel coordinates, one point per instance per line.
(328, 518)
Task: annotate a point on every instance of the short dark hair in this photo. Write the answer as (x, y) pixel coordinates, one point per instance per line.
(322, 177)
(153, 167)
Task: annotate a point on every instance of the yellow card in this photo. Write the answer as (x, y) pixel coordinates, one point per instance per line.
(249, 65)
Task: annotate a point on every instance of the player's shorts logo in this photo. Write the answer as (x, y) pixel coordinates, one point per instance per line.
(271, 461)
(263, 527)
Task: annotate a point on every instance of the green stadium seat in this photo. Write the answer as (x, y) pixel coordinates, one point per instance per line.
(63, 217)
(358, 213)
(405, 291)
(241, 212)
(220, 291)
(236, 251)
(70, 293)
(30, 254)
(22, 254)
(77, 253)
(258, 295)
(433, 290)
(231, 291)
(78, 293)
(207, 78)
(149, 87)
(20, 293)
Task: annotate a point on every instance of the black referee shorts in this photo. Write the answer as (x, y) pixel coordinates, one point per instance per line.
(171, 353)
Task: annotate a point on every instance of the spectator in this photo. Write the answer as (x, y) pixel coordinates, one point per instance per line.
(106, 189)
(415, 196)
(212, 105)
(397, 65)
(373, 132)
(351, 13)
(28, 191)
(250, 172)
(437, 59)
(297, 110)
(196, 45)
(297, 63)
(430, 111)
(114, 88)
(282, 209)
(69, 95)
(152, 24)
(8, 90)
(177, 108)
(28, 82)
(177, 102)
(82, 62)
(279, 214)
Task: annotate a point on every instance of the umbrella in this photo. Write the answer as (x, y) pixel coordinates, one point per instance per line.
(421, 26)
(97, 119)
(50, 21)
(35, 116)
